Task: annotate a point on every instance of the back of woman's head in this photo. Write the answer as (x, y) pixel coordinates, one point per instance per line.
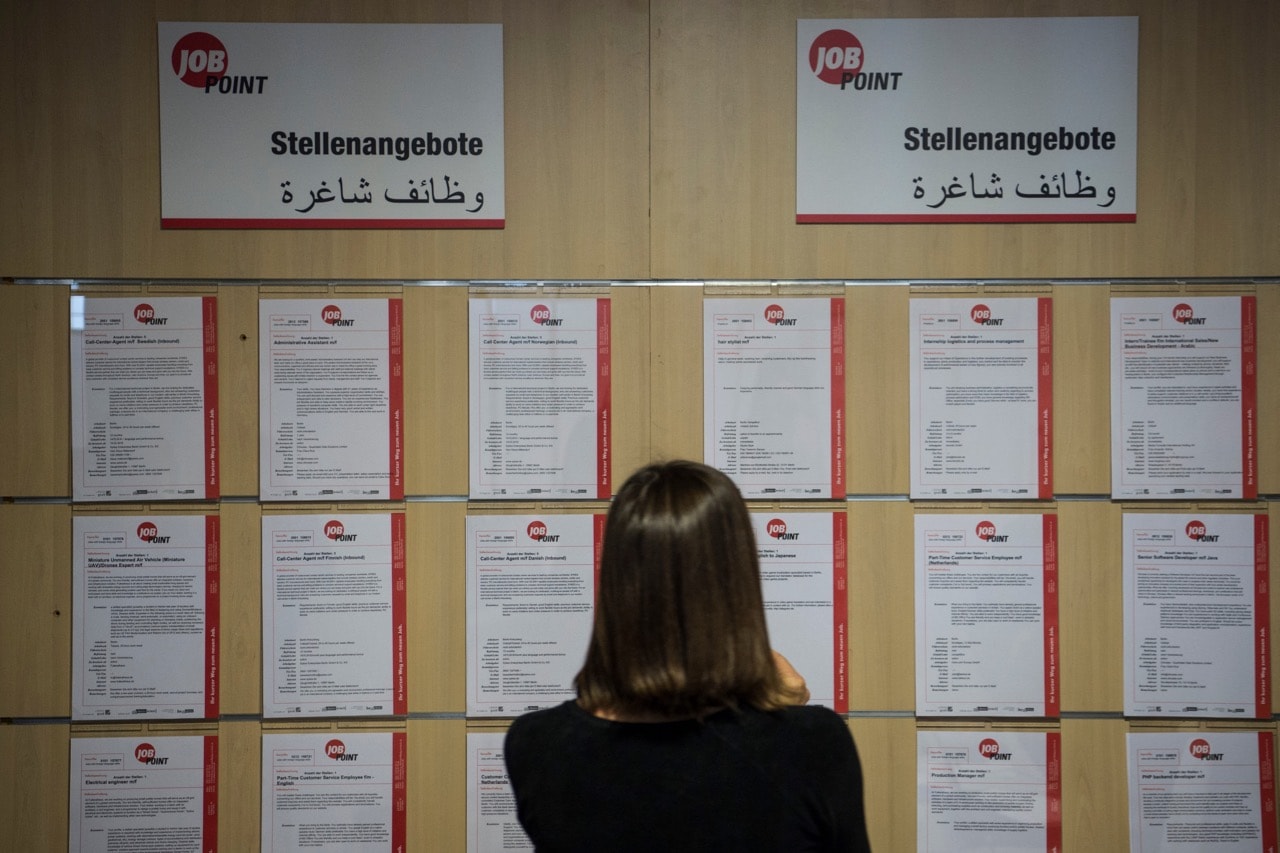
(679, 626)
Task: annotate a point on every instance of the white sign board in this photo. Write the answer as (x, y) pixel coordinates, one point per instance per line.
(331, 125)
(967, 120)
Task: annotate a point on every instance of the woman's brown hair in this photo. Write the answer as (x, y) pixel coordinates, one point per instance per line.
(679, 623)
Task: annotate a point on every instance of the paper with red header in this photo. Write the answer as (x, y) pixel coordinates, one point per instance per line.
(803, 579)
(773, 394)
(1197, 615)
(144, 637)
(333, 615)
(1208, 791)
(144, 398)
(530, 604)
(331, 399)
(982, 398)
(988, 790)
(335, 791)
(492, 823)
(541, 401)
(150, 792)
(987, 615)
(1184, 397)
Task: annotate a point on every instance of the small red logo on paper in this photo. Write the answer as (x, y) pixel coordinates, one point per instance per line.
(834, 54)
(537, 531)
(1199, 748)
(777, 528)
(334, 530)
(988, 748)
(145, 753)
(331, 314)
(986, 530)
(1196, 530)
(774, 314)
(1182, 313)
(540, 314)
(980, 313)
(144, 313)
(147, 531)
(335, 749)
(197, 57)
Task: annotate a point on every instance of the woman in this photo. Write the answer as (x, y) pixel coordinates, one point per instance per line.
(687, 733)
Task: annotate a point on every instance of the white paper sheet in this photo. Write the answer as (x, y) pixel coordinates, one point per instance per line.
(338, 791)
(144, 793)
(144, 398)
(540, 398)
(1202, 792)
(530, 600)
(144, 638)
(1184, 397)
(331, 399)
(1196, 615)
(986, 615)
(982, 398)
(492, 824)
(990, 791)
(333, 615)
(803, 575)
(773, 394)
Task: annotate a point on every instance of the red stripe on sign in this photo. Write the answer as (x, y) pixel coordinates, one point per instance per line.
(399, 650)
(399, 791)
(1050, 559)
(395, 334)
(1045, 397)
(1262, 616)
(840, 609)
(1249, 395)
(910, 218)
(837, 398)
(323, 224)
(209, 824)
(209, 312)
(212, 615)
(604, 399)
(1053, 792)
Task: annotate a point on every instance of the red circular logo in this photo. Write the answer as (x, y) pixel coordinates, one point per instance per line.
(985, 530)
(988, 747)
(1199, 748)
(776, 527)
(335, 748)
(1182, 312)
(147, 531)
(144, 313)
(144, 752)
(540, 314)
(980, 313)
(197, 57)
(834, 54)
(774, 313)
(331, 314)
(537, 531)
(1196, 530)
(334, 529)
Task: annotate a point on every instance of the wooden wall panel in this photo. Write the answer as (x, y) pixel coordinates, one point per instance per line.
(35, 409)
(1095, 790)
(35, 610)
(437, 581)
(435, 390)
(33, 794)
(1081, 390)
(877, 390)
(881, 607)
(240, 597)
(1090, 606)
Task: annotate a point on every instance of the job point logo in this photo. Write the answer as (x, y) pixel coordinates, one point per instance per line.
(986, 531)
(1201, 750)
(337, 531)
(1183, 314)
(332, 315)
(541, 315)
(200, 60)
(148, 532)
(777, 528)
(537, 531)
(989, 749)
(1198, 531)
(981, 314)
(836, 57)
(776, 316)
(145, 753)
(146, 315)
(337, 750)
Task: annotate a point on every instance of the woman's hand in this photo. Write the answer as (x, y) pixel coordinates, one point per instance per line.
(792, 680)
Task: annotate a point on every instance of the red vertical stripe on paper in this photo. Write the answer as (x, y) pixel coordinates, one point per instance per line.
(597, 544)
(209, 824)
(604, 399)
(395, 334)
(1267, 788)
(1249, 395)
(1262, 617)
(399, 791)
(400, 642)
(837, 398)
(1051, 644)
(1044, 397)
(840, 609)
(212, 615)
(1053, 792)
(209, 313)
